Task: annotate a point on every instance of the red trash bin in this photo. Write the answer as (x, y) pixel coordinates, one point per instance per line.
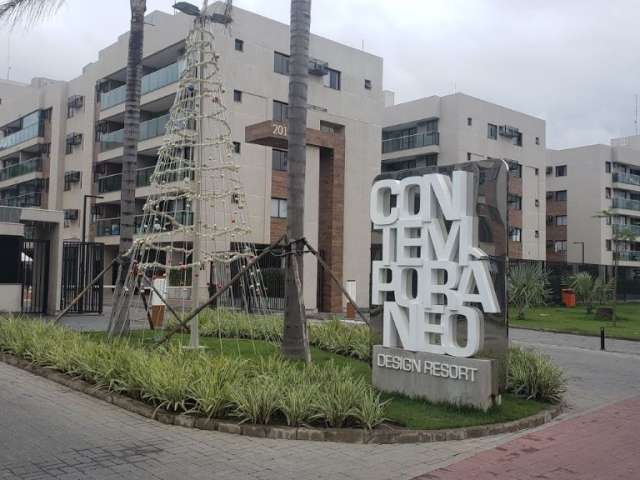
(568, 297)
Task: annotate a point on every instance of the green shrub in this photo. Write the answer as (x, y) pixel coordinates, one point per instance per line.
(255, 400)
(211, 389)
(533, 375)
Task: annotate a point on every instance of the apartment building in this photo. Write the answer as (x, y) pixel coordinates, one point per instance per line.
(459, 128)
(77, 149)
(582, 183)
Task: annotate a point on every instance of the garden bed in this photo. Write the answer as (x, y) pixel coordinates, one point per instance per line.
(243, 382)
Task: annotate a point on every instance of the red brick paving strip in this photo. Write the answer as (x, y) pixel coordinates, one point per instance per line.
(602, 445)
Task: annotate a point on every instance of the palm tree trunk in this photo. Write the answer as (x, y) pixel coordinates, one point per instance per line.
(130, 151)
(295, 344)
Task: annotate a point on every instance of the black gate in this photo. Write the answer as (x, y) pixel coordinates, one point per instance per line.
(34, 276)
(81, 263)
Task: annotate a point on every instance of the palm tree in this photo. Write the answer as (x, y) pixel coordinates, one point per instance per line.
(620, 237)
(31, 11)
(295, 343)
(527, 284)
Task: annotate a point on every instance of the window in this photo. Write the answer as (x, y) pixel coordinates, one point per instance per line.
(367, 84)
(239, 45)
(548, 170)
(608, 244)
(469, 121)
(75, 103)
(332, 79)
(279, 160)
(561, 196)
(549, 195)
(514, 202)
(561, 220)
(280, 111)
(515, 169)
(549, 219)
(237, 96)
(560, 246)
(517, 139)
(281, 63)
(468, 156)
(515, 234)
(607, 192)
(492, 131)
(607, 167)
(236, 147)
(72, 140)
(279, 207)
(561, 171)
(536, 234)
(537, 140)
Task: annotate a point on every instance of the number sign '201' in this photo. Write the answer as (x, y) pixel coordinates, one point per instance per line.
(450, 271)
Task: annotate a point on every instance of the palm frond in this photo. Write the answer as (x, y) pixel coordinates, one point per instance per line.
(27, 12)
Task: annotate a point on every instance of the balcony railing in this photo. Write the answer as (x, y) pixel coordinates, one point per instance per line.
(634, 229)
(628, 256)
(628, 178)
(153, 81)
(410, 141)
(33, 165)
(113, 183)
(23, 201)
(107, 227)
(149, 129)
(32, 131)
(625, 203)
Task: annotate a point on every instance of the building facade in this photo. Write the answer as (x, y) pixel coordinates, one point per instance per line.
(593, 196)
(459, 128)
(82, 120)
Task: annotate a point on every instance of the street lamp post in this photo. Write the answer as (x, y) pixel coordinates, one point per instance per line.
(84, 215)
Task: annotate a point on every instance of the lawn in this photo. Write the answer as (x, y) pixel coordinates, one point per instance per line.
(576, 320)
(404, 411)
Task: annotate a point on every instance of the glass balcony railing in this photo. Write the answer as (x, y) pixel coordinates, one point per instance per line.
(108, 227)
(425, 139)
(153, 81)
(149, 129)
(634, 229)
(625, 203)
(24, 201)
(113, 183)
(27, 133)
(627, 178)
(33, 165)
(628, 256)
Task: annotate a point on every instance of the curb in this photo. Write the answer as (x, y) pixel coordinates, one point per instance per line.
(576, 334)
(342, 435)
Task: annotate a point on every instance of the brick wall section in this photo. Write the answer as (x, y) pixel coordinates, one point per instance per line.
(556, 208)
(331, 196)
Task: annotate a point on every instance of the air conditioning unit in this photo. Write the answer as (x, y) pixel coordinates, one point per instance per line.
(317, 67)
(74, 139)
(71, 214)
(72, 176)
(508, 131)
(75, 101)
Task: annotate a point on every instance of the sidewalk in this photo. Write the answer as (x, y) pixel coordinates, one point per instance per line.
(536, 337)
(601, 445)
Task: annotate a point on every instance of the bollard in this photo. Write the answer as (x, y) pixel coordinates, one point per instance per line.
(601, 338)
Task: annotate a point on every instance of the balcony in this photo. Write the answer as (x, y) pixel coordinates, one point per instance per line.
(33, 165)
(634, 229)
(149, 129)
(629, 256)
(108, 227)
(32, 131)
(113, 183)
(425, 139)
(626, 204)
(627, 178)
(23, 201)
(153, 81)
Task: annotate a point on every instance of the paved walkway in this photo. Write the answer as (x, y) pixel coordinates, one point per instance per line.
(533, 337)
(602, 445)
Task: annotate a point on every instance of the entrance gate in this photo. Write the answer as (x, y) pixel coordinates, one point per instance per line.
(81, 263)
(34, 276)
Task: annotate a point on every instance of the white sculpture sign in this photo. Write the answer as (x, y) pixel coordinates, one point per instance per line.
(429, 240)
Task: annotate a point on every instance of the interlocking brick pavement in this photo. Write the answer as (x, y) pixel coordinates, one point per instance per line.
(601, 445)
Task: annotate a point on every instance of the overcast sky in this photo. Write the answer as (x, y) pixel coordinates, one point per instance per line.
(574, 63)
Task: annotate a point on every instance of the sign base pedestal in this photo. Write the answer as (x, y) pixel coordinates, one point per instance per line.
(437, 378)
